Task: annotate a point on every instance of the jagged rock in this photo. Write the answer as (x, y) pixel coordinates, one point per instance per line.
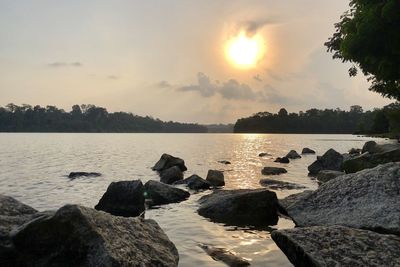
(273, 171)
(307, 150)
(355, 151)
(337, 246)
(264, 154)
(282, 160)
(368, 160)
(195, 182)
(275, 185)
(331, 160)
(171, 175)
(80, 236)
(368, 199)
(215, 178)
(289, 200)
(167, 161)
(327, 175)
(227, 257)
(224, 162)
(161, 193)
(293, 155)
(74, 175)
(253, 207)
(123, 198)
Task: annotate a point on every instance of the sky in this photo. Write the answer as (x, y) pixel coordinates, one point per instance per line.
(167, 59)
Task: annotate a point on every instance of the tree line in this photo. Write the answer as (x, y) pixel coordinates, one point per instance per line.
(85, 118)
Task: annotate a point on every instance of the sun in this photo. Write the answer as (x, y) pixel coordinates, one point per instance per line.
(244, 51)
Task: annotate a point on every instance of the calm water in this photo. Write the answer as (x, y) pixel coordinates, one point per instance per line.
(33, 169)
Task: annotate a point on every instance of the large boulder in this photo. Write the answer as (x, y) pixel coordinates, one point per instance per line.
(289, 200)
(195, 182)
(171, 175)
(273, 171)
(293, 155)
(275, 184)
(368, 199)
(80, 236)
(331, 160)
(368, 160)
(307, 150)
(337, 246)
(215, 178)
(251, 207)
(160, 193)
(327, 175)
(167, 161)
(123, 198)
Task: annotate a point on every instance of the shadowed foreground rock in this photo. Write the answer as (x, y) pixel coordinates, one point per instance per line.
(289, 200)
(171, 175)
(240, 207)
(161, 193)
(337, 246)
(273, 171)
(195, 182)
(327, 175)
(79, 236)
(123, 198)
(331, 160)
(167, 161)
(215, 178)
(368, 199)
(275, 184)
(227, 257)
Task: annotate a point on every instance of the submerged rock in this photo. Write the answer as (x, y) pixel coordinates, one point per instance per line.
(123, 198)
(161, 193)
(274, 184)
(273, 171)
(368, 199)
(80, 236)
(195, 182)
(264, 154)
(171, 175)
(327, 175)
(74, 175)
(293, 155)
(337, 246)
(224, 255)
(282, 160)
(215, 178)
(226, 162)
(307, 150)
(331, 160)
(167, 161)
(252, 207)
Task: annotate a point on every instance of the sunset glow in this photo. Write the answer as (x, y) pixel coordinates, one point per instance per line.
(244, 51)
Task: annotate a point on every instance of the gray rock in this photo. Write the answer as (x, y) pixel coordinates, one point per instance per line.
(123, 198)
(331, 160)
(327, 175)
(161, 193)
(242, 207)
(289, 200)
(293, 155)
(195, 182)
(171, 175)
(368, 160)
(224, 255)
(282, 160)
(307, 150)
(79, 236)
(74, 175)
(273, 171)
(167, 161)
(337, 246)
(215, 178)
(368, 199)
(372, 147)
(264, 154)
(355, 151)
(11, 207)
(275, 185)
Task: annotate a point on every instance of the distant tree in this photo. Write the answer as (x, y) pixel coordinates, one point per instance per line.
(282, 112)
(356, 109)
(368, 36)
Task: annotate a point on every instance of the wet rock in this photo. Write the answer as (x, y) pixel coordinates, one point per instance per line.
(273, 171)
(355, 151)
(282, 160)
(331, 160)
(242, 207)
(289, 200)
(161, 193)
(307, 150)
(264, 154)
(278, 185)
(224, 162)
(337, 246)
(74, 175)
(327, 175)
(80, 236)
(224, 255)
(215, 178)
(123, 198)
(368, 160)
(293, 155)
(167, 161)
(171, 175)
(195, 182)
(368, 199)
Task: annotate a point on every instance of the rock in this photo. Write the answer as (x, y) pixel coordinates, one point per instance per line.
(275, 185)
(215, 178)
(161, 193)
(124, 198)
(289, 200)
(167, 161)
(9, 206)
(227, 257)
(74, 175)
(369, 146)
(171, 175)
(331, 160)
(293, 155)
(368, 199)
(273, 171)
(337, 246)
(307, 150)
(224, 162)
(264, 154)
(80, 236)
(242, 207)
(195, 182)
(372, 147)
(282, 160)
(355, 151)
(327, 175)
(367, 160)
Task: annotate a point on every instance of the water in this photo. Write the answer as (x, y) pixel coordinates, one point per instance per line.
(33, 168)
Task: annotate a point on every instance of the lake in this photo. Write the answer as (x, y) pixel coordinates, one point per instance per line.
(34, 168)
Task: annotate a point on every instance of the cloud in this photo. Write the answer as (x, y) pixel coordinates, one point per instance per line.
(253, 26)
(204, 86)
(257, 78)
(163, 84)
(60, 64)
(277, 97)
(112, 77)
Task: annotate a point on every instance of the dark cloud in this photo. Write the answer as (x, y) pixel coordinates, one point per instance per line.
(253, 26)
(61, 64)
(163, 84)
(204, 86)
(257, 78)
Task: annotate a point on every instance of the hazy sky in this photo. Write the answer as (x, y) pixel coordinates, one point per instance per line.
(166, 58)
